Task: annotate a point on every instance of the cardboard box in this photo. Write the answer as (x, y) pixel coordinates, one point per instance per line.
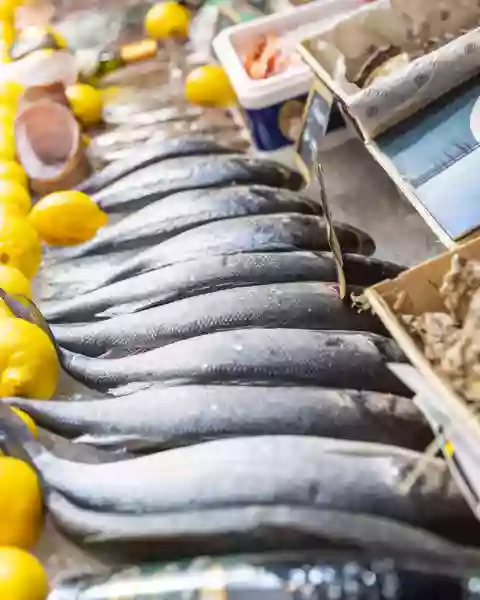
(432, 155)
(415, 292)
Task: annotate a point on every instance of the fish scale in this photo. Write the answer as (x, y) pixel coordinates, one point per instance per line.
(299, 305)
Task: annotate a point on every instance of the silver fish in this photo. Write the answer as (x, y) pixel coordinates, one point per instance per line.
(272, 356)
(298, 305)
(314, 472)
(149, 154)
(254, 528)
(180, 415)
(209, 274)
(192, 172)
(262, 233)
(184, 210)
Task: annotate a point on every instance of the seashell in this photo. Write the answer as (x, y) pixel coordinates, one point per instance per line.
(49, 147)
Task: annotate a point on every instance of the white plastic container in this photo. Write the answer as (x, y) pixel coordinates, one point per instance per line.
(273, 107)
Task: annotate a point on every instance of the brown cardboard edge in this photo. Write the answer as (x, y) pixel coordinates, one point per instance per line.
(406, 342)
(413, 352)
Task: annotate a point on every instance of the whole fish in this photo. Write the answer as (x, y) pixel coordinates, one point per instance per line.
(314, 472)
(180, 415)
(298, 305)
(272, 356)
(149, 154)
(137, 190)
(211, 273)
(262, 233)
(185, 210)
(251, 528)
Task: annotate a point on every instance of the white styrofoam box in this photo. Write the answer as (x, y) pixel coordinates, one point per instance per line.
(231, 43)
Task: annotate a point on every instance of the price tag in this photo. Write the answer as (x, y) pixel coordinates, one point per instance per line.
(314, 127)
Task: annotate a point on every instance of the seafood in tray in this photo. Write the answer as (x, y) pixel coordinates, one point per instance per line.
(451, 339)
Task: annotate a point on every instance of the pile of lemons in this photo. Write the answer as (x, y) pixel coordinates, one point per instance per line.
(29, 364)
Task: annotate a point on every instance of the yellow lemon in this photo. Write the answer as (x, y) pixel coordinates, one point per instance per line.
(14, 281)
(20, 245)
(7, 33)
(27, 419)
(7, 140)
(66, 218)
(7, 10)
(57, 36)
(209, 86)
(13, 193)
(167, 19)
(22, 577)
(21, 505)
(7, 114)
(10, 92)
(28, 360)
(11, 170)
(86, 103)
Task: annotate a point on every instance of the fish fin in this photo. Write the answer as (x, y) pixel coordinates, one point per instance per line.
(122, 352)
(104, 440)
(128, 443)
(124, 309)
(131, 388)
(24, 308)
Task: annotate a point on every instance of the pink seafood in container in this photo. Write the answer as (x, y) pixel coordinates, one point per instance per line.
(268, 75)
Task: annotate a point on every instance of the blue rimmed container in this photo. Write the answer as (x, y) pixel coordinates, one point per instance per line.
(273, 108)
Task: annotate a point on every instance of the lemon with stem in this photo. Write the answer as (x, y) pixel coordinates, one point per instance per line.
(66, 218)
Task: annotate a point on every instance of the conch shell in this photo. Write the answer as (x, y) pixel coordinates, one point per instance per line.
(48, 144)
